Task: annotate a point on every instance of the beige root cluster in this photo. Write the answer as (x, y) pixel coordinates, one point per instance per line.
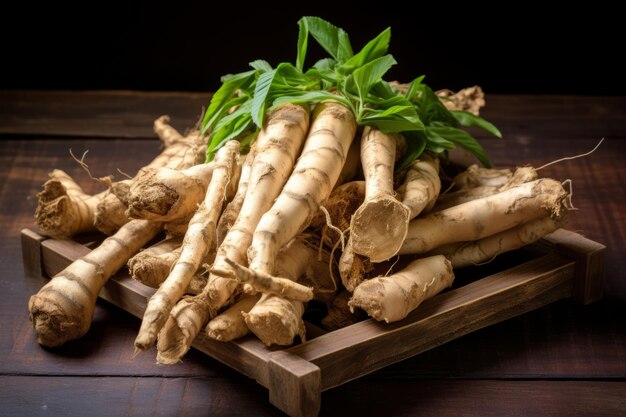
(316, 212)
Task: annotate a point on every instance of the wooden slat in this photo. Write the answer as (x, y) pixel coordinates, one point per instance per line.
(247, 355)
(484, 302)
(353, 351)
(589, 258)
(31, 252)
(107, 114)
(294, 384)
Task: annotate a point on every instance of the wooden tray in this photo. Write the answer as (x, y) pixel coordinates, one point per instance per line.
(566, 265)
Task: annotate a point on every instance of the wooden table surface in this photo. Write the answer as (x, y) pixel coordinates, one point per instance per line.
(563, 359)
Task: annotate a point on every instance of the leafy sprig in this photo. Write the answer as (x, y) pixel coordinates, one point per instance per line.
(239, 107)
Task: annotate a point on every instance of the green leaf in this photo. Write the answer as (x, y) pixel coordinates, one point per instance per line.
(413, 87)
(333, 39)
(309, 97)
(393, 119)
(461, 138)
(261, 65)
(383, 90)
(435, 138)
(229, 127)
(259, 100)
(416, 143)
(219, 100)
(468, 119)
(325, 64)
(368, 75)
(430, 108)
(375, 48)
(303, 42)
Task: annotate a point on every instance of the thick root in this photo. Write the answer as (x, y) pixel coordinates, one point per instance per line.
(380, 224)
(63, 208)
(230, 324)
(353, 268)
(275, 320)
(232, 210)
(277, 147)
(470, 99)
(183, 324)
(110, 214)
(62, 310)
(352, 166)
(392, 298)
(474, 190)
(486, 249)
(180, 152)
(151, 266)
(421, 185)
(166, 194)
(314, 176)
(477, 176)
(486, 216)
(199, 239)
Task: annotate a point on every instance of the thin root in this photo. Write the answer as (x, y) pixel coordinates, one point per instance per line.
(567, 158)
(106, 180)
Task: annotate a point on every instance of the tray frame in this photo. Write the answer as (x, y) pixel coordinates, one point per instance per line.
(569, 265)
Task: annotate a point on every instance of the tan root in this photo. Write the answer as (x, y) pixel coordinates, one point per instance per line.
(63, 208)
(393, 297)
(62, 310)
(199, 239)
(421, 185)
(380, 224)
(486, 216)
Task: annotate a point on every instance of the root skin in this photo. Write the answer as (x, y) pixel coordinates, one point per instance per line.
(152, 265)
(352, 166)
(278, 147)
(180, 152)
(486, 216)
(353, 268)
(62, 310)
(392, 298)
(63, 208)
(380, 224)
(166, 194)
(485, 249)
(477, 176)
(314, 176)
(276, 321)
(421, 185)
(110, 214)
(476, 191)
(267, 283)
(232, 210)
(199, 239)
(230, 324)
(470, 99)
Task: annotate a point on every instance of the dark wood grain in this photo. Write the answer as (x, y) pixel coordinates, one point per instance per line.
(439, 320)
(571, 357)
(119, 114)
(141, 396)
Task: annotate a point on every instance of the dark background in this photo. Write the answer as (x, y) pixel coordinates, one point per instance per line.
(513, 47)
